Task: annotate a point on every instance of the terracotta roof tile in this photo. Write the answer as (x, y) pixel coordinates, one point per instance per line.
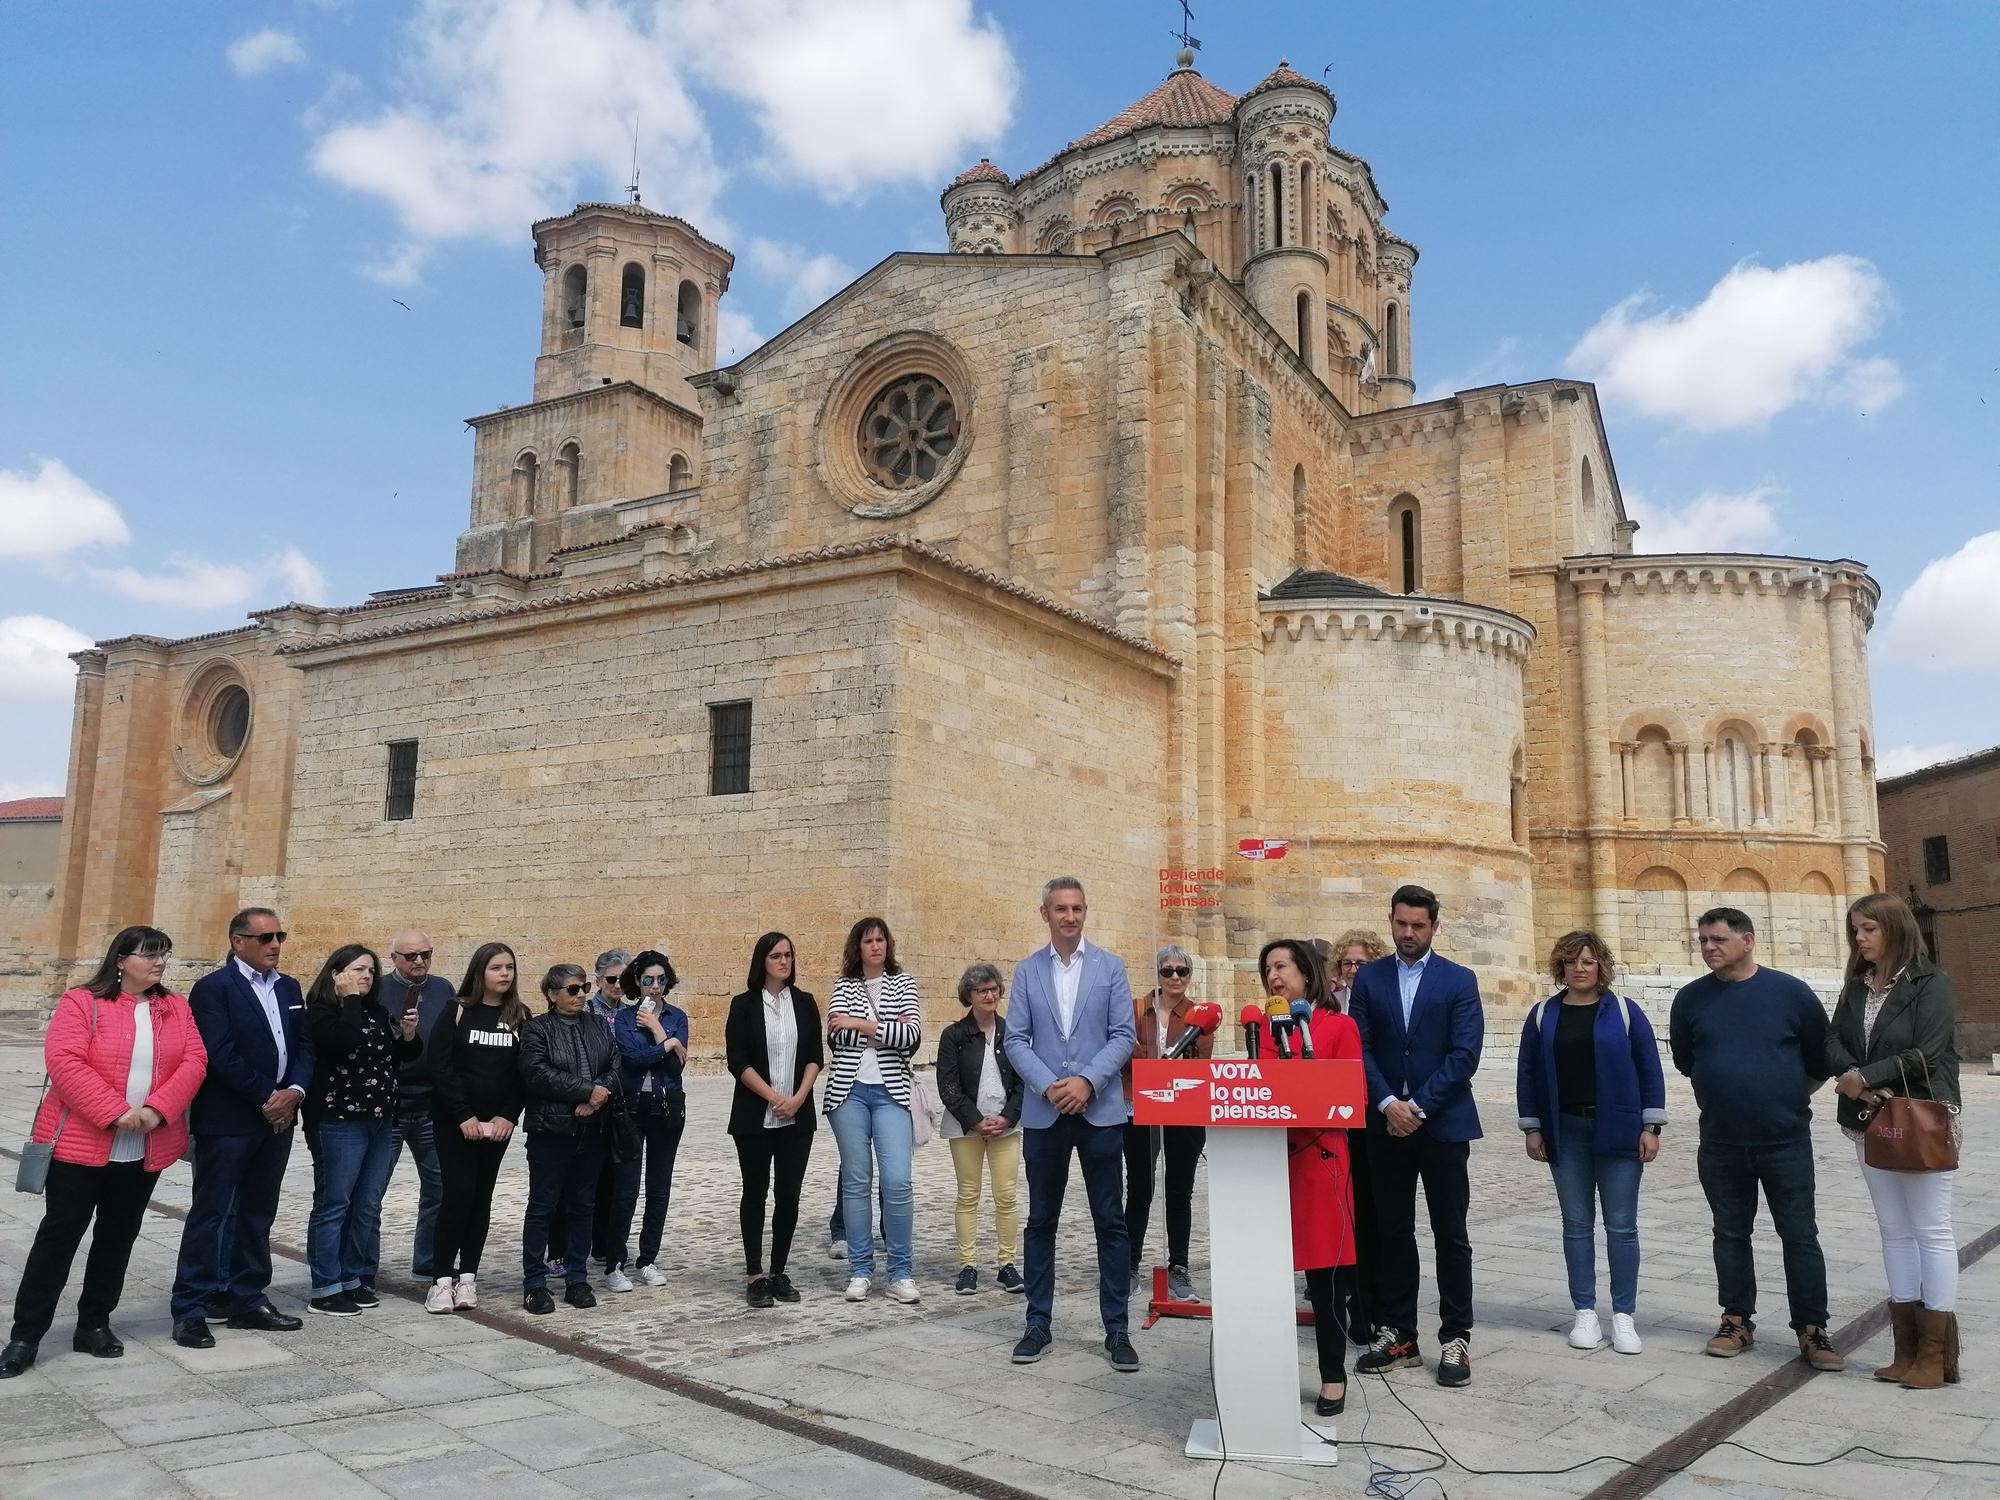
(981, 171)
(1184, 99)
(1282, 77)
(30, 809)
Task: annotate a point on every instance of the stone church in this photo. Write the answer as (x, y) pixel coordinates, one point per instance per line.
(1111, 542)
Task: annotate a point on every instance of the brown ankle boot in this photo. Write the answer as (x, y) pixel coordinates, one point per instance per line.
(1926, 1372)
(1903, 1324)
(1951, 1349)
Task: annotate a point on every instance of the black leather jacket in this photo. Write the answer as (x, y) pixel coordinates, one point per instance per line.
(961, 1057)
(561, 1062)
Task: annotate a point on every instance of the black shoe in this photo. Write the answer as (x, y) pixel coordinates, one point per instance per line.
(1330, 1406)
(1455, 1363)
(967, 1283)
(266, 1319)
(339, 1305)
(192, 1333)
(1118, 1349)
(101, 1342)
(1034, 1343)
(758, 1293)
(538, 1301)
(580, 1295)
(1391, 1351)
(17, 1357)
(782, 1288)
(1010, 1279)
(364, 1295)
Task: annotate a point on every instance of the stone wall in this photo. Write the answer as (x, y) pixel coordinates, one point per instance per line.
(1958, 802)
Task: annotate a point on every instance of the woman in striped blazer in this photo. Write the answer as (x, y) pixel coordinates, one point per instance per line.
(874, 1022)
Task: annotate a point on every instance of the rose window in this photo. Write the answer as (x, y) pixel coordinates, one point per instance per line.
(908, 432)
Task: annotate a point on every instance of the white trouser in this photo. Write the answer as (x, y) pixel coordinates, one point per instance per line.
(1919, 1251)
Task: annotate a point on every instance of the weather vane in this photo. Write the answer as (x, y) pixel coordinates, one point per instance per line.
(632, 187)
(1188, 39)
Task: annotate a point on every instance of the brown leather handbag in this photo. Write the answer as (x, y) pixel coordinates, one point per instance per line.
(1910, 1135)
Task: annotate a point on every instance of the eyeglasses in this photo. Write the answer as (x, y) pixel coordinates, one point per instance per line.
(572, 990)
(1175, 971)
(413, 958)
(263, 937)
(986, 989)
(1349, 963)
(150, 955)
(651, 981)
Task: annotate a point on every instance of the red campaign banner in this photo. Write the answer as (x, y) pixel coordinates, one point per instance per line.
(1329, 1093)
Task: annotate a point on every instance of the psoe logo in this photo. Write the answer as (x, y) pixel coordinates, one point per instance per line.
(1169, 1095)
(1262, 848)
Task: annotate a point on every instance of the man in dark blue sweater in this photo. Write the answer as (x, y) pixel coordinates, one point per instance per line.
(1753, 1040)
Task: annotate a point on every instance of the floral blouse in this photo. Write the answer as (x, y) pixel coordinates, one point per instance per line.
(356, 1050)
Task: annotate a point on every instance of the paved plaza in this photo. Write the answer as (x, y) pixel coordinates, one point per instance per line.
(685, 1391)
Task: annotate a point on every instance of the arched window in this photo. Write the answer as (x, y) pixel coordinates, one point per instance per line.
(1734, 768)
(1305, 204)
(679, 475)
(687, 314)
(576, 292)
(1406, 542)
(1305, 311)
(1587, 486)
(569, 464)
(1392, 340)
(632, 296)
(1277, 205)
(527, 470)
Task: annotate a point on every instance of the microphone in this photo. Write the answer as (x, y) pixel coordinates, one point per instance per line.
(1302, 1018)
(1253, 1030)
(1280, 1019)
(1201, 1020)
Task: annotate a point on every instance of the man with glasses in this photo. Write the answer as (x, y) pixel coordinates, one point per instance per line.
(604, 1002)
(260, 1062)
(411, 986)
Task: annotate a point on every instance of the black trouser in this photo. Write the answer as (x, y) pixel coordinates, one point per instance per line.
(117, 1194)
(1143, 1149)
(469, 1169)
(1354, 1286)
(225, 1259)
(764, 1155)
(1397, 1163)
(563, 1173)
(661, 1133)
(1327, 1332)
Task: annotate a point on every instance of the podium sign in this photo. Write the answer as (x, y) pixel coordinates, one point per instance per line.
(1294, 1093)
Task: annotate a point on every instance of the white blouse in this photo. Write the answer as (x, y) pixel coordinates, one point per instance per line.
(130, 1145)
(781, 1048)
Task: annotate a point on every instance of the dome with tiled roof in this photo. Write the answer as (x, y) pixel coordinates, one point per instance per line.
(1184, 99)
(1283, 77)
(981, 171)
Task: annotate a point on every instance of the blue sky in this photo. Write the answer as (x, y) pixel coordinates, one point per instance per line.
(1767, 231)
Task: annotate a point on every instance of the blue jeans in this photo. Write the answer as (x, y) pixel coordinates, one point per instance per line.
(1583, 1179)
(562, 1188)
(352, 1160)
(870, 1127)
(416, 1132)
(1101, 1150)
(1731, 1176)
(661, 1133)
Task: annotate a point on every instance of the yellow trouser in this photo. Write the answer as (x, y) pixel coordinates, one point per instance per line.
(1002, 1159)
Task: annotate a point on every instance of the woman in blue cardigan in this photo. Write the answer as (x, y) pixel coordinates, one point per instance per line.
(1593, 1101)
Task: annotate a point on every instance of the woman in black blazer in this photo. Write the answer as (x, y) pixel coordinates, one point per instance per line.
(775, 1050)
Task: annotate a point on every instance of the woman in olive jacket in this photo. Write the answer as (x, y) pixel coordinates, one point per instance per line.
(1892, 1033)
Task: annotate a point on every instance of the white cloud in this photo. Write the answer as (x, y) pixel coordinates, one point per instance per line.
(510, 110)
(1950, 617)
(1500, 365)
(34, 659)
(859, 92)
(51, 511)
(735, 335)
(261, 51)
(807, 279)
(1898, 759)
(1713, 521)
(12, 791)
(287, 576)
(1761, 342)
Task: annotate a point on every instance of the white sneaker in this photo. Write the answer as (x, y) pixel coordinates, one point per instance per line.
(1587, 1334)
(904, 1290)
(857, 1289)
(652, 1275)
(438, 1298)
(617, 1281)
(466, 1293)
(1624, 1337)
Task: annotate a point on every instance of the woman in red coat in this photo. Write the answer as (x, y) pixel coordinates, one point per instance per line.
(1322, 1198)
(124, 1061)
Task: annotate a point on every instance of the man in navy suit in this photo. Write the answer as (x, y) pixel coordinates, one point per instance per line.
(260, 1063)
(1070, 1029)
(1421, 1029)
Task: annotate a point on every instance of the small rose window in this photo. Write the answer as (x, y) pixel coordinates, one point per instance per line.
(908, 432)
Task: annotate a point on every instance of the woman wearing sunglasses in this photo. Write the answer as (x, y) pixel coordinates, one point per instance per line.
(569, 1070)
(652, 1038)
(1161, 1017)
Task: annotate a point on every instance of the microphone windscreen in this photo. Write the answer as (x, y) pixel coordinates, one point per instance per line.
(1205, 1017)
(1253, 1015)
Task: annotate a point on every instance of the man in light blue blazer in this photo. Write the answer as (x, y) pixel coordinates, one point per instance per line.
(1069, 1033)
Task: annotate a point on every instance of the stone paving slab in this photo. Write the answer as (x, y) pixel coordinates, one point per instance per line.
(403, 1404)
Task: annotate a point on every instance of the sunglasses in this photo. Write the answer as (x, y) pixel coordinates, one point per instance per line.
(571, 990)
(414, 958)
(1175, 972)
(263, 937)
(652, 981)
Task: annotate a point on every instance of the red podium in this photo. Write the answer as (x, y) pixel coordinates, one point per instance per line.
(1248, 1105)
